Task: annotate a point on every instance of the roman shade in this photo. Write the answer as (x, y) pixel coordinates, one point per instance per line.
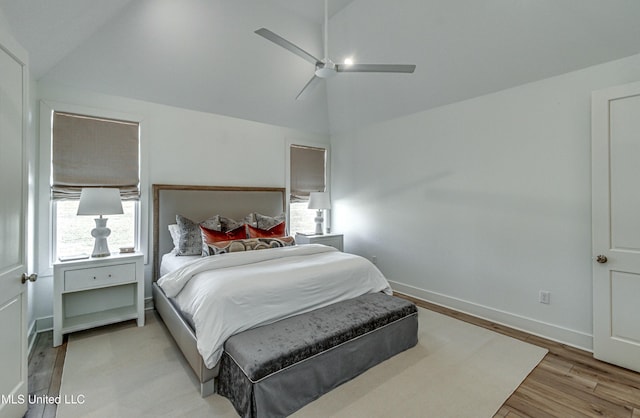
(307, 171)
(93, 152)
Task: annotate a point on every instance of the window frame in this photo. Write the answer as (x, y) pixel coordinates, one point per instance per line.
(305, 143)
(46, 242)
(54, 229)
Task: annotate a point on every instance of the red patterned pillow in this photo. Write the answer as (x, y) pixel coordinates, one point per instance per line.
(276, 231)
(210, 236)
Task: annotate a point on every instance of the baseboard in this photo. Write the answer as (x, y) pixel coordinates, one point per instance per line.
(44, 324)
(552, 332)
(38, 326)
(148, 304)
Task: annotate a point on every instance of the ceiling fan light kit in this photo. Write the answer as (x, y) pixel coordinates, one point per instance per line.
(325, 68)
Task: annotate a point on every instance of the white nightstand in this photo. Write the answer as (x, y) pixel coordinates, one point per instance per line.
(97, 291)
(332, 240)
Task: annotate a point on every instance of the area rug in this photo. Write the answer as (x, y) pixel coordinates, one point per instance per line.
(456, 370)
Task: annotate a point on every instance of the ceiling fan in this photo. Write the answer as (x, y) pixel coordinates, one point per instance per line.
(325, 68)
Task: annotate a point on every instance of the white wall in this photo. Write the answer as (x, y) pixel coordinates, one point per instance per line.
(481, 204)
(179, 146)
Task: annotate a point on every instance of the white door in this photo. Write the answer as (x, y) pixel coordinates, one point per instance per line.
(616, 225)
(13, 294)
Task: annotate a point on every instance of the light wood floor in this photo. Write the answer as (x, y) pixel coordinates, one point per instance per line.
(567, 382)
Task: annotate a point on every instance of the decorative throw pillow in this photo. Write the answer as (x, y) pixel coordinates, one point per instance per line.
(190, 242)
(251, 244)
(228, 224)
(210, 236)
(276, 231)
(265, 222)
(174, 231)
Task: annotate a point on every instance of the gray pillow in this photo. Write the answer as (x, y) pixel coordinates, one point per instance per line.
(258, 220)
(228, 224)
(190, 242)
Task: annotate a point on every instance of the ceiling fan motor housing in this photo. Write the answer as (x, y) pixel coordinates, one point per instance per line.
(326, 69)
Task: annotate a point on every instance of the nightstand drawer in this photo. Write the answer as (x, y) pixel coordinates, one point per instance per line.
(99, 276)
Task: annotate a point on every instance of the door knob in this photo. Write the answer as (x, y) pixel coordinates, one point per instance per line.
(32, 277)
(601, 259)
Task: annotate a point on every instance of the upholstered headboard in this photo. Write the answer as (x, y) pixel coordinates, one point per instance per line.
(200, 202)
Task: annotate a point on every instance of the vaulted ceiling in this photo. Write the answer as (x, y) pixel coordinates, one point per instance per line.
(203, 54)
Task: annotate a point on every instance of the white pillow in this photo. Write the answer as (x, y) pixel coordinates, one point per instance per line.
(174, 230)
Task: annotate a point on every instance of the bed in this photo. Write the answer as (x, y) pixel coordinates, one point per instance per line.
(252, 289)
(198, 202)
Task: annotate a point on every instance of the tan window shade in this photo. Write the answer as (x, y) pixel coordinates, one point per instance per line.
(307, 171)
(94, 152)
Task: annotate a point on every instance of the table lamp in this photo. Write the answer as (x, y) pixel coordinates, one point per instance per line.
(100, 201)
(319, 201)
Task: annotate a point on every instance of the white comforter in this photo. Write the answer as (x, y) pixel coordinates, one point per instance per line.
(230, 293)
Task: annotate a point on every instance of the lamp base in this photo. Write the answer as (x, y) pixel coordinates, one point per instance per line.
(319, 220)
(100, 233)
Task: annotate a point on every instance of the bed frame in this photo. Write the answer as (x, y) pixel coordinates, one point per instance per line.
(198, 203)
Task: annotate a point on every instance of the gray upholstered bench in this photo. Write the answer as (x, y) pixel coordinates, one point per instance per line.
(276, 369)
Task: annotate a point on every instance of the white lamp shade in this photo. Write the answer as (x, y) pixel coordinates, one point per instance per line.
(100, 201)
(319, 200)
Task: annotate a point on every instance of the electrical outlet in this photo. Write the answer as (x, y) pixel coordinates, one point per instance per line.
(545, 297)
(374, 259)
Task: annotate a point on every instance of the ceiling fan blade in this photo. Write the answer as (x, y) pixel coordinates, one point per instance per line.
(279, 40)
(311, 84)
(375, 68)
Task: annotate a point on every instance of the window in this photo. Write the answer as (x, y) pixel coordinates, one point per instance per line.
(307, 174)
(88, 151)
(73, 232)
